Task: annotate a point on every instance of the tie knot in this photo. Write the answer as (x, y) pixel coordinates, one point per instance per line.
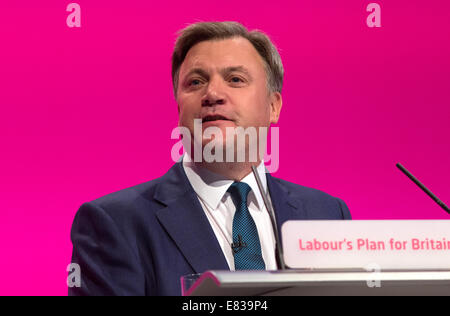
(239, 192)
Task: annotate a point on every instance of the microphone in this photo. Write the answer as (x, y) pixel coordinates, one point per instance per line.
(238, 245)
(270, 210)
(423, 187)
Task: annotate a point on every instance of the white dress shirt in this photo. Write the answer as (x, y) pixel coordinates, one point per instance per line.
(211, 189)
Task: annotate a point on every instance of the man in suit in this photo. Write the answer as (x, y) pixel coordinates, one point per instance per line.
(202, 214)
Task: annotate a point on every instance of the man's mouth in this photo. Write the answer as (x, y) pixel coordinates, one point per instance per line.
(211, 118)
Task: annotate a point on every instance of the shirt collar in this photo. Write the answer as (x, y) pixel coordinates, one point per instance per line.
(211, 187)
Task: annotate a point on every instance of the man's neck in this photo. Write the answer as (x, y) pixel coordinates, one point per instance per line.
(232, 170)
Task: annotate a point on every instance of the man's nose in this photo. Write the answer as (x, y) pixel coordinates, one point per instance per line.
(214, 94)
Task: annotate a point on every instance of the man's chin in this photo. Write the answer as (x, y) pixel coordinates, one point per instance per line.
(224, 150)
(215, 143)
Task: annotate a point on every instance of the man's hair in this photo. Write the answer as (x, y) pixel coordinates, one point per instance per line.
(206, 31)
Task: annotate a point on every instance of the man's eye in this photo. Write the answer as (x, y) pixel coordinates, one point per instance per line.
(195, 82)
(236, 79)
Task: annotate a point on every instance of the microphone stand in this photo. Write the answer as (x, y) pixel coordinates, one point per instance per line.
(423, 187)
(270, 210)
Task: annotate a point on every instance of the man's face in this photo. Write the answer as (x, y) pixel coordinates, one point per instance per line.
(224, 83)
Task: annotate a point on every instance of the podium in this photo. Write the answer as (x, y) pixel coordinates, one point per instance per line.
(322, 283)
(333, 258)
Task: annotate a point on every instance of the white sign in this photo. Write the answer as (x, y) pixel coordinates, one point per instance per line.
(389, 245)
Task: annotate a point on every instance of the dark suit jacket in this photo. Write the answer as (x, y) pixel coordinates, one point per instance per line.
(141, 240)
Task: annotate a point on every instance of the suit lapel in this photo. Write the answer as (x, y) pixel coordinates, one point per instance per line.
(185, 221)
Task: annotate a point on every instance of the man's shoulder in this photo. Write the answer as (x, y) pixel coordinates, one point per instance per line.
(128, 195)
(301, 191)
(142, 198)
(313, 200)
(123, 202)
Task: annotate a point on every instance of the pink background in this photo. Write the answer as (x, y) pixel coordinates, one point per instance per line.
(89, 111)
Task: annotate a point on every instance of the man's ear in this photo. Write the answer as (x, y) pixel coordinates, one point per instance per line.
(276, 103)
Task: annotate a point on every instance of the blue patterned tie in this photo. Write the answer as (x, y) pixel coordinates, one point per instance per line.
(246, 245)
